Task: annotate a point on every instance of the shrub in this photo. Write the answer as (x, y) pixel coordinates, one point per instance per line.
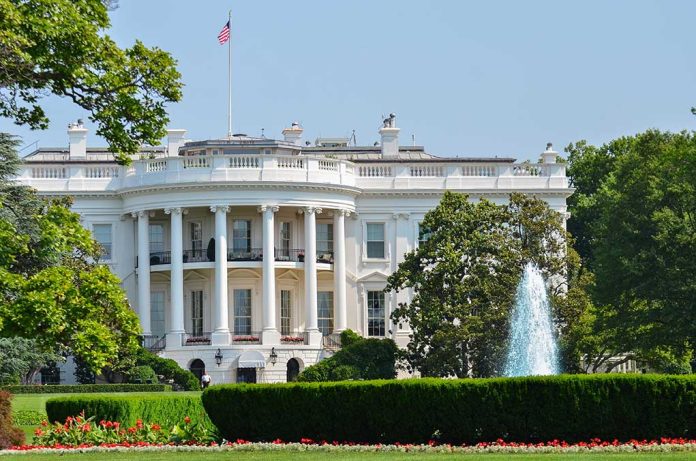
(169, 370)
(28, 417)
(571, 408)
(85, 388)
(9, 435)
(359, 358)
(164, 409)
(142, 374)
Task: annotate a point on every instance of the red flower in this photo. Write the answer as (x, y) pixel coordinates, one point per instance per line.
(139, 423)
(44, 423)
(187, 420)
(38, 432)
(155, 427)
(116, 424)
(131, 430)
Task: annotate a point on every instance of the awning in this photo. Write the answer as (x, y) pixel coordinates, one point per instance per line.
(251, 359)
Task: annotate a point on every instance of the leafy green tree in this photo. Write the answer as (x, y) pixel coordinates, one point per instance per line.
(51, 287)
(464, 277)
(61, 47)
(21, 359)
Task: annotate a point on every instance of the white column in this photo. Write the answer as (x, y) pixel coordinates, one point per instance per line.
(339, 267)
(176, 322)
(310, 230)
(221, 334)
(144, 271)
(270, 334)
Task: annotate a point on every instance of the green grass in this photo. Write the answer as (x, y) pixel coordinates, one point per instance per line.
(37, 402)
(337, 456)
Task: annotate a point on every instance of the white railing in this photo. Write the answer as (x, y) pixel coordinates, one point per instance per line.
(153, 166)
(529, 169)
(290, 163)
(48, 172)
(479, 170)
(375, 171)
(426, 170)
(328, 165)
(243, 161)
(101, 172)
(196, 162)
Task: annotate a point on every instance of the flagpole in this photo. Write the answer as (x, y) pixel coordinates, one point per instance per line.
(229, 79)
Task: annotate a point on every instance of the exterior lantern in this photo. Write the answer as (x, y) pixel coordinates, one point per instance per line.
(218, 357)
(273, 356)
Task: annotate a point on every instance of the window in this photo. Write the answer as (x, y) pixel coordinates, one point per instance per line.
(102, 234)
(285, 312)
(423, 234)
(241, 235)
(242, 312)
(196, 233)
(375, 240)
(325, 311)
(284, 241)
(197, 313)
(157, 313)
(324, 238)
(156, 238)
(375, 313)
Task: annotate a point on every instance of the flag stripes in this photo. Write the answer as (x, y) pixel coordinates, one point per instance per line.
(224, 34)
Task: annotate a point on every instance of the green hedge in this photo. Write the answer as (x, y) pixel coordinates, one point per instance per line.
(163, 409)
(571, 408)
(170, 370)
(85, 388)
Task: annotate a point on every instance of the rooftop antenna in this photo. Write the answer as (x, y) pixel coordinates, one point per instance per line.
(352, 138)
(262, 134)
(413, 138)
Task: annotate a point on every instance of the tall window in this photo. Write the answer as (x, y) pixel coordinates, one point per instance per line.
(325, 311)
(285, 240)
(324, 238)
(242, 312)
(241, 235)
(375, 240)
(157, 313)
(375, 313)
(196, 231)
(156, 238)
(423, 234)
(102, 234)
(285, 312)
(197, 312)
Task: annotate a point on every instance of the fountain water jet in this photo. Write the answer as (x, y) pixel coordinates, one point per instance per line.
(532, 348)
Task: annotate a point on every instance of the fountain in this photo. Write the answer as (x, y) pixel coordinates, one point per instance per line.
(532, 348)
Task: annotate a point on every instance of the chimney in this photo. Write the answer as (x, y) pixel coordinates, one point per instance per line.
(390, 137)
(549, 155)
(175, 139)
(77, 135)
(293, 134)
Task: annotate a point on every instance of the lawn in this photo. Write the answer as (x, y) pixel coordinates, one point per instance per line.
(293, 455)
(37, 402)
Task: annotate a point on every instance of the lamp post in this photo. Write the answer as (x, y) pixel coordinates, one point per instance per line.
(218, 357)
(273, 356)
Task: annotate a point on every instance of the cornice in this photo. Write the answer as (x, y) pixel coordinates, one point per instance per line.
(255, 185)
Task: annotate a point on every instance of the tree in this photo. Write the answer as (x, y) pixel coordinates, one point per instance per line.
(21, 360)
(60, 47)
(51, 285)
(638, 216)
(464, 277)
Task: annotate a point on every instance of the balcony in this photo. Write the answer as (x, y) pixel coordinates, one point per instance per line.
(158, 258)
(202, 339)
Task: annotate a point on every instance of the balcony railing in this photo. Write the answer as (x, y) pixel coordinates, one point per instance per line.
(255, 254)
(290, 254)
(331, 341)
(160, 257)
(326, 257)
(244, 338)
(195, 256)
(202, 339)
(153, 343)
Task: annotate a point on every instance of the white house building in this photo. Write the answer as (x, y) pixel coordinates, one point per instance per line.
(247, 255)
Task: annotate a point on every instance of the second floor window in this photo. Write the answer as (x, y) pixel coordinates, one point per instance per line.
(375, 240)
(102, 234)
(423, 234)
(284, 240)
(196, 231)
(324, 238)
(241, 235)
(156, 238)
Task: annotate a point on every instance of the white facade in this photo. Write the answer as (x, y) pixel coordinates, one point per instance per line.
(268, 205)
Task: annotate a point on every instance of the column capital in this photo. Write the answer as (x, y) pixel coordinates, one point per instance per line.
(216, 208)
(272, 208)
(176, 210)
(142, 214)
(397, 216)
(343, 212)
(311, 210)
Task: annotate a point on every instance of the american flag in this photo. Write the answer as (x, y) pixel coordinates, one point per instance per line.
(224, 34)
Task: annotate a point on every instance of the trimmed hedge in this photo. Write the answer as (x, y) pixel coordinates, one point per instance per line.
(85, 388)
(163, 409)
(570, 407)
(170, 370)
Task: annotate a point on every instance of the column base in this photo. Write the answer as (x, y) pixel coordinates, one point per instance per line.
(174, 340)
(220, 338)
(314, 337)
(270, 337)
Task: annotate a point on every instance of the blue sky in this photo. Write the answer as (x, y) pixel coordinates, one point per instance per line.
(467, 78)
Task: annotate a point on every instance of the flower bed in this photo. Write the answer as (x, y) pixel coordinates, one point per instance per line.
(292, 339)
(307, 445)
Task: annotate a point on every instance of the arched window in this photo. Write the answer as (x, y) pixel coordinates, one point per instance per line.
(293, 370)
(197, 367)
